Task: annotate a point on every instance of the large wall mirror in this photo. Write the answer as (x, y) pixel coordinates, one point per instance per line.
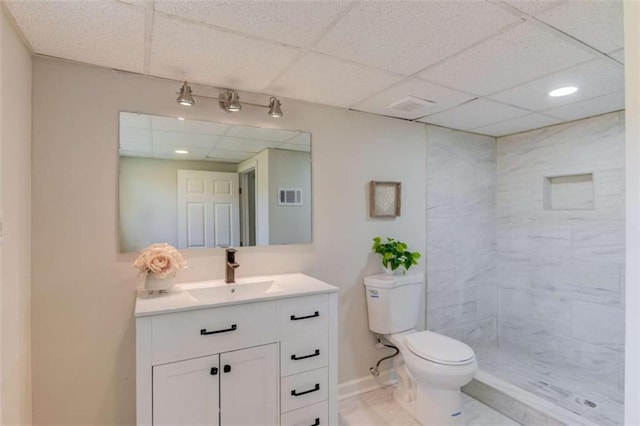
(199, 184)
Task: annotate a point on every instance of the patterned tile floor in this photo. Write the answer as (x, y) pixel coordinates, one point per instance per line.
(378, 408)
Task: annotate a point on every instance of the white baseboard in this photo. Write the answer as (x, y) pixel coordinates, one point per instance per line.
(365, 384)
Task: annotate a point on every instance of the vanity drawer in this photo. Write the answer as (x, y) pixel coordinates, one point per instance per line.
(302, 354)
(191, 334)
(301, 390)
(314, 415)
(302, 316)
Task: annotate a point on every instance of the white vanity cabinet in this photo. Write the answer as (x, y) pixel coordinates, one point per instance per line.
(233, 388)
(262, 361)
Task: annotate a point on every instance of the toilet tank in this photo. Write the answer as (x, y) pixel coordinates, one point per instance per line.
(393, 301)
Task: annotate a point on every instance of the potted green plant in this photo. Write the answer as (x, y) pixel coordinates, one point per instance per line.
(396, 256)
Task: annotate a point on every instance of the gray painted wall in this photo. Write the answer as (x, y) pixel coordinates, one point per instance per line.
(148, 199)
(84, 291)
(289, 224)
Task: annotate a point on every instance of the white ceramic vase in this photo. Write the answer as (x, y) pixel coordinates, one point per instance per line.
(399, 271)
(152, 283)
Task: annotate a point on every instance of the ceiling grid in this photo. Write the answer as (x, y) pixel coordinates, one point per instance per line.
(486, 66)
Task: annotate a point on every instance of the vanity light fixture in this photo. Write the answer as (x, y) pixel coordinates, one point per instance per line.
(274, 108)
(181, 151)
(184, 96)
(563, 91)
(229, 101)
(180, 118)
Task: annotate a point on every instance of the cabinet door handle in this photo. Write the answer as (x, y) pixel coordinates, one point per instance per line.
(214, 371)
(227, 368)
(317, 422)
(204, 331)
(298, 358)
(315, 388)
(295, 318)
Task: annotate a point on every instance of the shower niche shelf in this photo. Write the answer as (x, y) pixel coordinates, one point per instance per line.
(569, 192)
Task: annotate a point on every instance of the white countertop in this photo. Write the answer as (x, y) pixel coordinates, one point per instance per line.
(276, 287)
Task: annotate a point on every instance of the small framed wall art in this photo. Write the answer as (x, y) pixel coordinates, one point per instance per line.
(384, 199)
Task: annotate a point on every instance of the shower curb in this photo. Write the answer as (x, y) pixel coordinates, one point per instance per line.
(520, 405)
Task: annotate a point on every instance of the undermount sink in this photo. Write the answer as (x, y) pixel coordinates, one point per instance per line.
(234, 292)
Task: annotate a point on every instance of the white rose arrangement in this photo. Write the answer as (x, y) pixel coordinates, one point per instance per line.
(162, 260)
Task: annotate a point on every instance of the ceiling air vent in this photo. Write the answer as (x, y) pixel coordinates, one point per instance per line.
(411, 104)
(289, 197)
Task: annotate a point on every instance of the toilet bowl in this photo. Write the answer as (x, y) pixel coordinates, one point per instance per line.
(437, 365)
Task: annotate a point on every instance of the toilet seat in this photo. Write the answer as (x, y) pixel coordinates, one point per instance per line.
(440, 349)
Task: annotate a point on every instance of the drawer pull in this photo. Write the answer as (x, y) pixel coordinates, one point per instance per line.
(315, 388)
(298, 358)
(204, 331)
(295, 318)
(317, 422)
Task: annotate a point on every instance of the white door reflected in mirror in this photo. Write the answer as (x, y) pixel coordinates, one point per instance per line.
(198, 184)
(208, 205)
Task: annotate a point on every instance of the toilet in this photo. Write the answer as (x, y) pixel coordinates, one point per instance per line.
(437, 366)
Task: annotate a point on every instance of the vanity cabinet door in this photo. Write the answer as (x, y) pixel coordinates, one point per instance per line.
(187, 392)
(249, 386)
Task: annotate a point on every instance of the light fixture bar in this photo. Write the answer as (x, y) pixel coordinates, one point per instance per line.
(229, 100)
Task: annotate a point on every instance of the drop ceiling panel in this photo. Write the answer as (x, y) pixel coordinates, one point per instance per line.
(520, 124)
(229, 156)
(188, 126)
(135, 134)
(596, 23)
(137, 147)
(590, 107)
(246, 132)
(473, 49)
(533, 7)
(246, 145)
(405, 37)
(521, 53)
(474, 114)
(444, 98)
(177, 139)
(106, 33)
(294, 23)
(203, 54)
(593, 78)
(168, 152)
(331, 81)
(140, 121)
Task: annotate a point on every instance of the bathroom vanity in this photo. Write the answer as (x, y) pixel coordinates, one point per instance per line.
(262, 351)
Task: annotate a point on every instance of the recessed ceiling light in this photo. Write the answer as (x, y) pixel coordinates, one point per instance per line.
(181, 151)
(180, 118)
(563, 91)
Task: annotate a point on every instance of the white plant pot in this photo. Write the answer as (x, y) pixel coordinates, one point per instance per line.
(400, 271)
(152, 283)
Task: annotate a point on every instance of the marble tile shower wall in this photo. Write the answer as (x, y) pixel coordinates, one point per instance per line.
(461, 236)
(560, 273)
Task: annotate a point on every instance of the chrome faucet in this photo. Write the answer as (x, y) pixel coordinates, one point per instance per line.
(231, 265)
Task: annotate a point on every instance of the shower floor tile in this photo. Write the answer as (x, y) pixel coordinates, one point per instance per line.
(378, 408)
(599, 403)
